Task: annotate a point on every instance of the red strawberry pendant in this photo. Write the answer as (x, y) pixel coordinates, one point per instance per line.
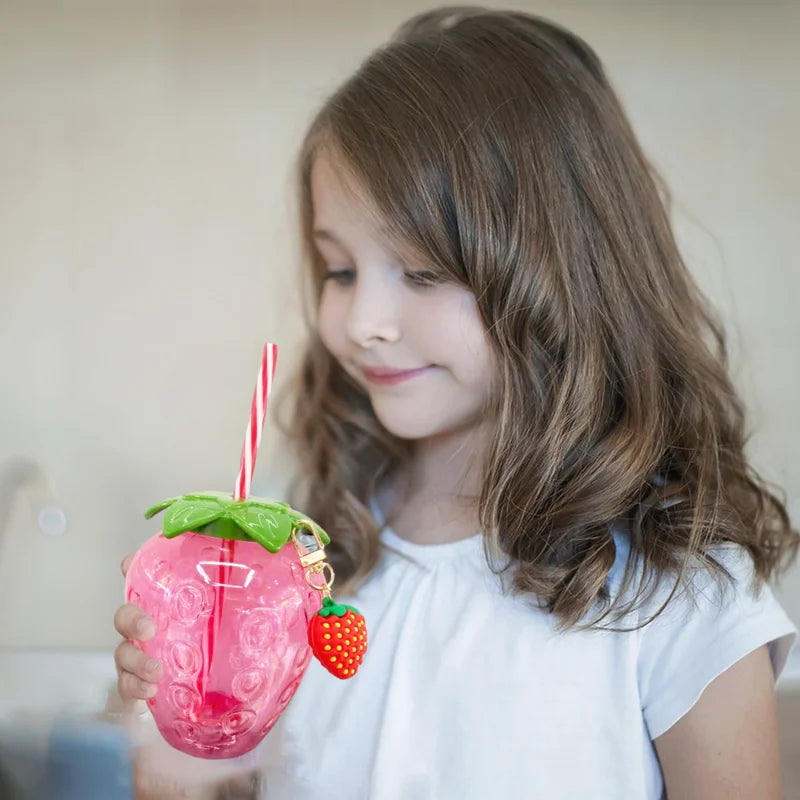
(338, 638)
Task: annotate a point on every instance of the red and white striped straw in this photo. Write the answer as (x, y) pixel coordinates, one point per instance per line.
(255, 425)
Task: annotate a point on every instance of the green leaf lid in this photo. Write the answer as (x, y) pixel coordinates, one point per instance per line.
(268, 522)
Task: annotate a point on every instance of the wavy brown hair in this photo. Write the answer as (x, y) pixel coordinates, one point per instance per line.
(493, 146)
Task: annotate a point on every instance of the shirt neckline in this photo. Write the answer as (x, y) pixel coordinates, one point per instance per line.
(425, 553)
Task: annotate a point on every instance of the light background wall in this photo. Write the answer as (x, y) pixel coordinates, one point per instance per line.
(147, 247)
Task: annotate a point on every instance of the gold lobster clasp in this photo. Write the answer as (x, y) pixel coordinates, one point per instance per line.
(308, 544)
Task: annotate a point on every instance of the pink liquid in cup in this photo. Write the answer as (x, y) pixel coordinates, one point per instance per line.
(232, 633)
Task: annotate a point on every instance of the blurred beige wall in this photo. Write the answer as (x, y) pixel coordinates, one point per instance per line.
(147, 250)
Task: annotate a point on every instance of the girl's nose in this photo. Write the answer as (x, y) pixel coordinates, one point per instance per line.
(372, 315)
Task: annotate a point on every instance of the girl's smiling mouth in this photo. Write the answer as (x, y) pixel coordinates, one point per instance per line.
(386, 375)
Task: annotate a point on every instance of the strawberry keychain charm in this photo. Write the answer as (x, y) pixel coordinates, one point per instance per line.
(338, 638)
(337, 633)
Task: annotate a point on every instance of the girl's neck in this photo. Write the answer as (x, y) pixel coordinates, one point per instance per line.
(435, 501)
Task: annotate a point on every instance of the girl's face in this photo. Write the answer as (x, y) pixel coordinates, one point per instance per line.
(376, 312)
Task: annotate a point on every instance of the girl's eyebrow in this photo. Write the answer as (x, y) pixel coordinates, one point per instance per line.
(321, 233)
(326, 235)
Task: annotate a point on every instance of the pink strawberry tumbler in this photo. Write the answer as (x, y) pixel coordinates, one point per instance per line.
(235, 585)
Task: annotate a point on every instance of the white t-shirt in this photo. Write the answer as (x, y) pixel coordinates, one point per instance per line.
(467, 692)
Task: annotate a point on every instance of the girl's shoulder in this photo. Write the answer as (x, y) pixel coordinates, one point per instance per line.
(692, 630)
(700, 588)
(699, 585)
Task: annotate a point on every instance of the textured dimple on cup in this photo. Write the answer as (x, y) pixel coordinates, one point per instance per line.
(184, 699)
(191, 602)
(183, 658)
(238, 722)
(249, 684)
(258, 631)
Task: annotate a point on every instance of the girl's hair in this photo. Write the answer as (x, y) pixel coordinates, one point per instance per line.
(493, 147)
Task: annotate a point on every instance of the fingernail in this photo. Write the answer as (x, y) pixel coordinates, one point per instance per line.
(144, 625)
(149, 689)
(152, 665)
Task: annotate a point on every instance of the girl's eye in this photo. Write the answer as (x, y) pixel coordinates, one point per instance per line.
(346, 276)
(341, 276)
(420, 278)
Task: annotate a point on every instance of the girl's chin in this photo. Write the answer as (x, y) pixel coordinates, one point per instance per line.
(403, 422)
(407, 431)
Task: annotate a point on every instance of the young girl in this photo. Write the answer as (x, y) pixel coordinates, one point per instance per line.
(514, 418)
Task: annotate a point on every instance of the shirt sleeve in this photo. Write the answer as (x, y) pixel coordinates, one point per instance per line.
(697, 637)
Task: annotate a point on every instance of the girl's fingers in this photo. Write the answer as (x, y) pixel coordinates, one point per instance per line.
(131, 687)
(126, 562)
(132, 623)
(137, 672)
(129, 658)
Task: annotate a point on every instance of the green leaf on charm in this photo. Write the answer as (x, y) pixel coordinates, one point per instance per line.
(189, 515)
(271, 529)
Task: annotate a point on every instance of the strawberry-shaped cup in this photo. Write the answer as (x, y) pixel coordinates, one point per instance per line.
(234, 584)
(234, 587)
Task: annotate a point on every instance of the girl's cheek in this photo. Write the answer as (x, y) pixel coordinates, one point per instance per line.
(327, 317)
(327, 339)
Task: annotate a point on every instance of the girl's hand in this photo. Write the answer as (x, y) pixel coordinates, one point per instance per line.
(137, 673)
